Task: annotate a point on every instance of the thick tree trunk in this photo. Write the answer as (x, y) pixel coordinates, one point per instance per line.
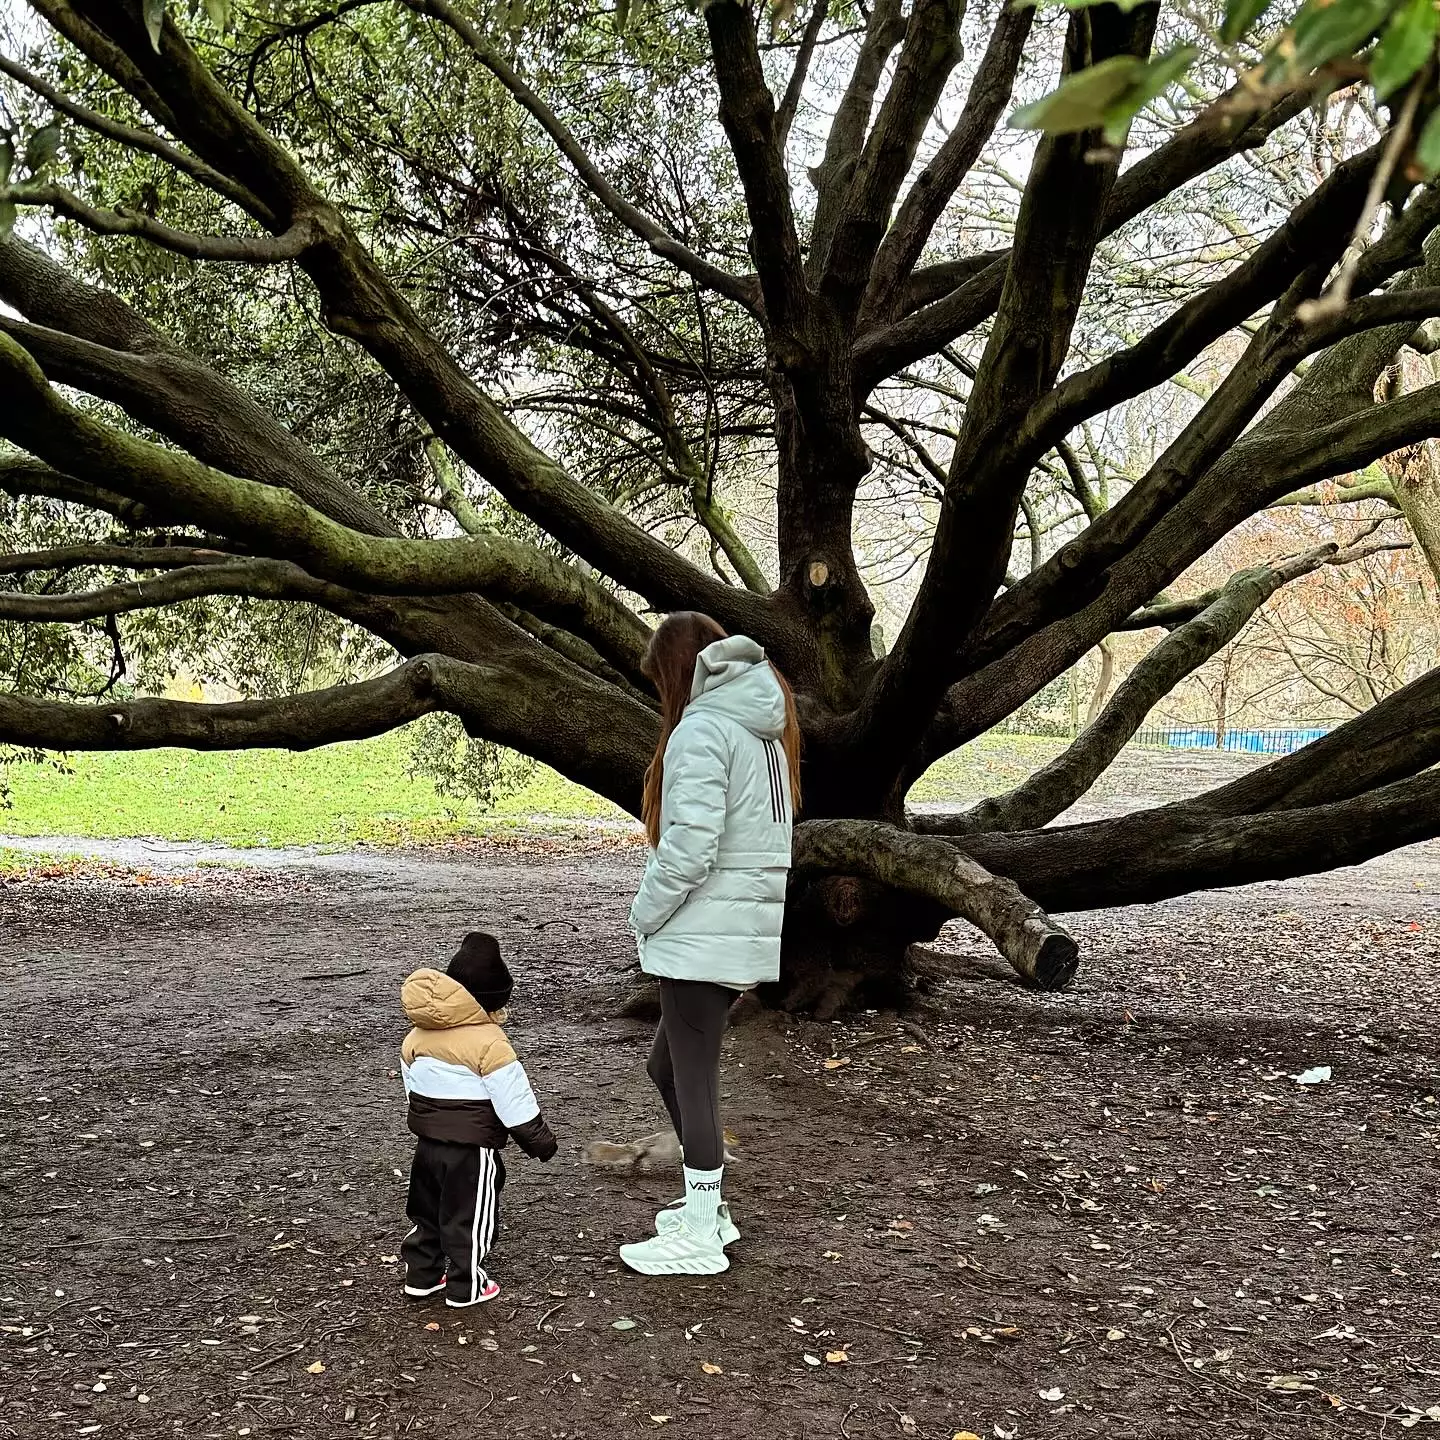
(847, 946)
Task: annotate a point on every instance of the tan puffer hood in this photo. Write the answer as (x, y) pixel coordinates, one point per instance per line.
(434, 1001)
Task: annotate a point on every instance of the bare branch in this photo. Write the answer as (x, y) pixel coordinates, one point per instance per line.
(1206, 142)
(255, 579)
(1171, 345)
(790, 104)
(1056, 234)
(230, 249)
(884, 30)
(747, 113)
(1055, 787)
(1155, 854)
(297, 722)
(118, 557)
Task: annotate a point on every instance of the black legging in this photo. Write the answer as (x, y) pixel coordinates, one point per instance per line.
(685, 1065)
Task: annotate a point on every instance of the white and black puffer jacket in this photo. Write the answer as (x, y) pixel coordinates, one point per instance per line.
(712, 903)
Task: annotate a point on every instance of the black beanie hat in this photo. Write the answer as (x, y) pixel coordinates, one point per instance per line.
(478, 967)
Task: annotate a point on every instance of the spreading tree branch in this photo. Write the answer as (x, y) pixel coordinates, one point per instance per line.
(1055, 237)
(1038, 948)
(1222, 306)
(117, 557)
(1206, 142)
(129, 136)
(360, 302)
(1326, 425)
(296, 722)
(1054, 788)
(279, 521)
(938, 181)
(929, 53)
(884, 30)
(790, 103)
(1152, 855)
(747, 113)
(1170, 614)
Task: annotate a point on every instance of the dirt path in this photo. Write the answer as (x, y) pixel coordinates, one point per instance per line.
(1107, 1213)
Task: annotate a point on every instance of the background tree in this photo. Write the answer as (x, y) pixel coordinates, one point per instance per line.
(476, 336)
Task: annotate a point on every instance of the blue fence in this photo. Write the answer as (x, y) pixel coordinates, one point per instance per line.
(1251, 742)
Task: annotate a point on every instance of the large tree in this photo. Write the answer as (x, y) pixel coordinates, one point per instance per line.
(483, 334)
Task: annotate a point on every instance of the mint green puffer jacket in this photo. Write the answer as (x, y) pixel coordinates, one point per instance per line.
(712, 902)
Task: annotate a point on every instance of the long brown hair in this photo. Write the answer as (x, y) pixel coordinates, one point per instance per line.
(669, 665)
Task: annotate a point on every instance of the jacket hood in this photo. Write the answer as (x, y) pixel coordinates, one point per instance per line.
(733, 678)
(436, 1002)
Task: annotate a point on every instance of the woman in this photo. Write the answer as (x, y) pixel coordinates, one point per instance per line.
(719, 811)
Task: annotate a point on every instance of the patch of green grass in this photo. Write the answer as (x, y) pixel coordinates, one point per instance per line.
(989, 765)
(355, 793)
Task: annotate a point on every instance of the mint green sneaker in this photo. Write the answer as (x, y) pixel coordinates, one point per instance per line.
(679, 1251)
(674, 1214)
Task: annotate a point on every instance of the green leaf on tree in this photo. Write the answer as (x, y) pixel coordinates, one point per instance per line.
(1240, 15)
(7, 218)
(218, 12)
(1082, 99)
(154, 21)
(42, 148)
(516, 15)
(1427, 148)
(1328, 31)
(1408, 42)
(622, 16)
(1106, 96)
(1158, 74)
(7, 159)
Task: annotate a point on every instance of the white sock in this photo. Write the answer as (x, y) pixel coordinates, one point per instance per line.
(702, 1200)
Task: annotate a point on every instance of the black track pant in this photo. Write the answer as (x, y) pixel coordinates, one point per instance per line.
(685, 1065)
(454, 1205)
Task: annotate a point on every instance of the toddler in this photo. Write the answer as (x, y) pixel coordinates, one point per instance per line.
(468, 1095)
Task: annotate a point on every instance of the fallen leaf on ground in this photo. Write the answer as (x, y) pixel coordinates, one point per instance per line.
(622, 1324)
(965, 1435)
(836, 1062)
(837, 1357)
(1053, 1393)
(812, 1359)
(433, 1325)
(318, 1369)
(1317, 1075)
(710, 1369)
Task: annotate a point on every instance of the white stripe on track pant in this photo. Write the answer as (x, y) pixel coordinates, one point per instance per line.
(454, 1205)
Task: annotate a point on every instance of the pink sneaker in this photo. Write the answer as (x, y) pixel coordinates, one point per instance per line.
(488, 1292)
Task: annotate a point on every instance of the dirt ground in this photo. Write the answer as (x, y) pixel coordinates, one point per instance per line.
(1111, 1213)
